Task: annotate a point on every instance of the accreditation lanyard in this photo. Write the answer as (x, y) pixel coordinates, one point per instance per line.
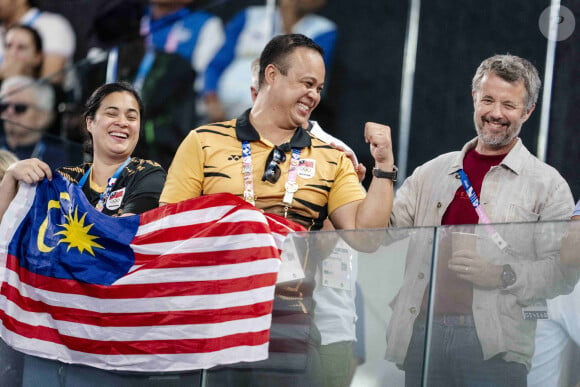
(38, 151)
(173, 36)
(110, 183)
(290, 187)
(483, 218)
(32, 19)
(142, 72)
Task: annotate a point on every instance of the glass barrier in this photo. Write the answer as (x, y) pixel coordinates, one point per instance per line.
(368, 315)
(330, 311)
(490, 289)
(357, 308)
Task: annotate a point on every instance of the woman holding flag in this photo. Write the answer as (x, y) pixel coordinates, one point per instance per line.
(114, 183)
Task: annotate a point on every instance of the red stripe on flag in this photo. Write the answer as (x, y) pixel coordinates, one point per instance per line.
(83, 316)
(218, 201)
(207, 258)
(141, 291)
(110, 347)
(201, 230)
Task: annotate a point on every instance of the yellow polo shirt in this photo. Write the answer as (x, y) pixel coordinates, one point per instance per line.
(209, 160)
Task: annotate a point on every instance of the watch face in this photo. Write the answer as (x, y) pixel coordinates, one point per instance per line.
(508, 276)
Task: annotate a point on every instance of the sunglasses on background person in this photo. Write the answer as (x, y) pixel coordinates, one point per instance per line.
(272, 170)
(18, 108)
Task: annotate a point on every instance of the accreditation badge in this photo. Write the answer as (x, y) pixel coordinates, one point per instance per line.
(115, 199)
(536, 311)
(290, 268)
(337, 267)
(306, 168)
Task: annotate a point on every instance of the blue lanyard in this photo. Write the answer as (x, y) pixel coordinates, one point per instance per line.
(112, 64)
(110, 183)
(32, 19)
(483, 218)
(144, 67)
(38, 151)
(469, 189)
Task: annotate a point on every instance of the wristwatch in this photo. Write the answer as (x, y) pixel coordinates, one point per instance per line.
(508, 276)
(386, 175)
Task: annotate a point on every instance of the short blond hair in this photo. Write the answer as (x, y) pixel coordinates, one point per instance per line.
(7, 158)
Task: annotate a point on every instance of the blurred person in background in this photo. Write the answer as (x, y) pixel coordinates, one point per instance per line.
(176, 26)
(227, 78)
(23, 56)
(164, 81)
(26, 109)
(22, 52)
(57, 34)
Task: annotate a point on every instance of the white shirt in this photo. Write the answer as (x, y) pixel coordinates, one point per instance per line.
(58, 36)
(335, 311)
(551, 338)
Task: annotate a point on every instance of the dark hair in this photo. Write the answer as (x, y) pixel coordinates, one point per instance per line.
(278, 49)
(33, 31)
(36, 39)
(95, 100)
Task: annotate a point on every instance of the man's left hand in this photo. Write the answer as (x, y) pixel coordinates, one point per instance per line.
(469, 266)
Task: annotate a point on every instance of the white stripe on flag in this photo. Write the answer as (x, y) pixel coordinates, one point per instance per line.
(157, 304)
(139, 333)
(202, 216)
(200, 273)
(208, 244)
(143, 363)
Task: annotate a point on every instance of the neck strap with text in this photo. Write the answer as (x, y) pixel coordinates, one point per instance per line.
(483, 218)
(110, 183)
(290, 187)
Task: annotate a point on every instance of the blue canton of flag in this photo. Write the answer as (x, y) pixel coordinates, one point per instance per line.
(72, 241)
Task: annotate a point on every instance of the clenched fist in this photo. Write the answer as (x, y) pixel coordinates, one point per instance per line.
(378, 136)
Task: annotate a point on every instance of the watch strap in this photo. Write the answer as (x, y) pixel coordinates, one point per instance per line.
(386, 174)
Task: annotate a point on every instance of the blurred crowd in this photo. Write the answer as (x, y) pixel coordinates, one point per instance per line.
(189, 65)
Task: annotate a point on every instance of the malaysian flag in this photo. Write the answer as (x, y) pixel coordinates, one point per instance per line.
(186, 286)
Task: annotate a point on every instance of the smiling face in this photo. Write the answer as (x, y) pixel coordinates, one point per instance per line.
(297, 93)
(499, 113)
(115, 126)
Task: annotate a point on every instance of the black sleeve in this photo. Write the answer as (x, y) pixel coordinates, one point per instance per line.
(144, 190)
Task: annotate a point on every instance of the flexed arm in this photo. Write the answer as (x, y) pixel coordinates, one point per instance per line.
(375, 210)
